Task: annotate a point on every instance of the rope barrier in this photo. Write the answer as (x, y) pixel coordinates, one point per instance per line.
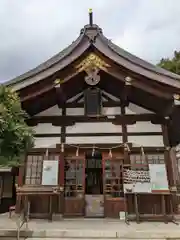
(94, 147)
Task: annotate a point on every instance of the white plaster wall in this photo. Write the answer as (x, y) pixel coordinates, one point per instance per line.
(144, 127)
(146, 141)
(111, 111)
(46, 128)
(48, 142)
(53, 111)
(100, 127)
(106, 111)
(94, 140)
(135, 109)
(74, 111)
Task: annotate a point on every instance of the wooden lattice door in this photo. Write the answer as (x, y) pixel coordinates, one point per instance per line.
(74, 183)
(113, 185)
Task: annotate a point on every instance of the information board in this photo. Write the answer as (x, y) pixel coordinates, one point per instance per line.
(50, 172)
(137, 187)
(158, 177)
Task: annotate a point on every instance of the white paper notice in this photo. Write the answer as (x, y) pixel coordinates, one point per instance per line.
(158, 176)
(50, 172)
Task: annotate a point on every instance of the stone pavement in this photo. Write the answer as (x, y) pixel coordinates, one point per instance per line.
(88, 229)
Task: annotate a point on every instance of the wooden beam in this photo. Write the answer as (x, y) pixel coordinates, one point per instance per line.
(81, 104)
(108, 134)
(117, 120)
(140, 84)
(168, 110)
(46, 89)
(80, 97)
(109, 99)
(60, 95)
(36, 94)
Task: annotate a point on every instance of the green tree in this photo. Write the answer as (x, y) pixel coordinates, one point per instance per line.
(173, 64)
(16, 138)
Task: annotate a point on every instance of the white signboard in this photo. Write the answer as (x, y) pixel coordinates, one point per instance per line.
(137, 187)
(50, 172)
(158, 177)
(136, 181)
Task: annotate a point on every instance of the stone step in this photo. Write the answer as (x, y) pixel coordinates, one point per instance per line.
(89, 234)
(81, 239)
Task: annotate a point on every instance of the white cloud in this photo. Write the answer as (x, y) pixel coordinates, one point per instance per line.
(32, 31)
(153, 31)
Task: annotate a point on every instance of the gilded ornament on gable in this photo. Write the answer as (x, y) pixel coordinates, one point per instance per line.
(92, 62)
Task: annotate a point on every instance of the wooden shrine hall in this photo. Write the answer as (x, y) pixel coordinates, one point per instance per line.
(106, 124)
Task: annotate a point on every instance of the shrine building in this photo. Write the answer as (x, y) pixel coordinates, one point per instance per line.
(106, 124)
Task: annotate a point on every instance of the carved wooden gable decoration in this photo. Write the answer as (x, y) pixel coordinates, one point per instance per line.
(92, 64)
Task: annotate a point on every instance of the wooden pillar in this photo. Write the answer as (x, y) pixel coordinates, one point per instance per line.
(125, 135)
(63, 127)
(61, 199)
(21, 175)
(21, 181)
(61, 202)
(168, 160)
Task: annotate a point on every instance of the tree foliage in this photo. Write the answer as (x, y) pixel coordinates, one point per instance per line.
(15, 136)
(173, 64)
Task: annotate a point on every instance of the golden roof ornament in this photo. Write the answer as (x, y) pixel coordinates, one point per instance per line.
(92, 61)
(90, 17)
(92, 64)
(90, 10)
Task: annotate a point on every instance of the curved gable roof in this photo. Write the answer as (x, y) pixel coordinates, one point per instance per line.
(94, 36)
(47, 64)
(138, 61)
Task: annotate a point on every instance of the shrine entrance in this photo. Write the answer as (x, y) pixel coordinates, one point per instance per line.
(94, 198)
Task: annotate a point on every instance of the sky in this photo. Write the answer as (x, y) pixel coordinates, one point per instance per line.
(31, 31)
